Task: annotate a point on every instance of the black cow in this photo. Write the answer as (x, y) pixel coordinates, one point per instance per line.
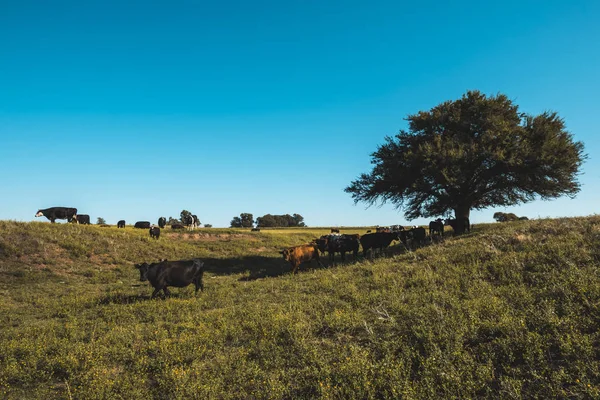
(155, 232)
(142, 225)
(177, 226)
(414, 237)
(162, 222)
(377, 240)
(459, 225)
(321, 243)
(82, 219)
(121, 224)
(436, 226)
(342, 244)
(54, 213)
(172, 273)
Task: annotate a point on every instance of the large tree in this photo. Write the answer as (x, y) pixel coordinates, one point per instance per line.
(472, 153)
(245, 220)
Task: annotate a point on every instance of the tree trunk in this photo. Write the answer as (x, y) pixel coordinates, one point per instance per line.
(461, 214)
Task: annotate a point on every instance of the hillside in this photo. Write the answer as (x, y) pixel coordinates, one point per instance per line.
(510, 310)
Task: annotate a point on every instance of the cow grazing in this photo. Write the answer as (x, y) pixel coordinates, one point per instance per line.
(335, 230)
(162, 222)
(321, 243)
(172, 273)
(54, 213)
(377, 240)
(177, 226)
(155, 232)
(459, 225)
(300, 254)
(121, 224)
(414, 237)
(342, 244)
(436, 226)
(142, 225)
(82, 219)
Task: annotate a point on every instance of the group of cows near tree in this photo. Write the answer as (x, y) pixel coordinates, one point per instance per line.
(370, 242)
(182, 273)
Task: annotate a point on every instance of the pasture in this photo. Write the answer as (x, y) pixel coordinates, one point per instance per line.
(508, 311)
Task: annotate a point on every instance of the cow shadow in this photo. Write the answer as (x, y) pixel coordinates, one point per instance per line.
(122, 298)
(255, 267)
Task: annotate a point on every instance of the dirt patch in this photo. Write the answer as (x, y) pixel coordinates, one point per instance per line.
(207, 237)
(519, 237)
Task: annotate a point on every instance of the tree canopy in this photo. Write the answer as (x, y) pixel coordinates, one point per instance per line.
(472, 153)
(245, 220)
(286, 220)
(185, 216)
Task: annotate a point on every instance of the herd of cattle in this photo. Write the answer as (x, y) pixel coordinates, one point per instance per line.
(70, 214)
(370, 242)
(182, 273)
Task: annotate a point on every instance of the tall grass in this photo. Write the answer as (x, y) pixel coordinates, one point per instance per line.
(508, 311)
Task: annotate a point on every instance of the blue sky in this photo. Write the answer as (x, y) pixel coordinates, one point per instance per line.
(135, 110)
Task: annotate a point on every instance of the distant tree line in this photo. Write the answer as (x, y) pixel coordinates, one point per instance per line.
(508, 217)
(246, 220)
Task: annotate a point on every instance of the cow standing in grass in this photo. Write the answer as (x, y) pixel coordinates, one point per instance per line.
(436, 226)
(172, 273)
(155, 232)
(54, 213)
(121, 224)
(82, 219)
(377, 240)
(345, 243)
(300, 254)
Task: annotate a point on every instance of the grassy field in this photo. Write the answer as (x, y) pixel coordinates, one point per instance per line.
(508, 311)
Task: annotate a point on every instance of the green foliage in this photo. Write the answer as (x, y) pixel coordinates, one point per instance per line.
(245, 220)
(507, 217)
(509, 311)
(472, 153)
(100, 221)
(185, 216)
(284, 221)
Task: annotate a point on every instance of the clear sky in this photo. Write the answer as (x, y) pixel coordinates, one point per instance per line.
(134, 110)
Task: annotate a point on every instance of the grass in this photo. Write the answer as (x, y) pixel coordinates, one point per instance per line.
(509, 311)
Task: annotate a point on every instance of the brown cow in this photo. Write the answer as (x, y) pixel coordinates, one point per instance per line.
(300, 254)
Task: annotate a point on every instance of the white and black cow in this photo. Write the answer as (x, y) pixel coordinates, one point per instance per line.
(82, 219)
(155, 232)
(54, 213)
